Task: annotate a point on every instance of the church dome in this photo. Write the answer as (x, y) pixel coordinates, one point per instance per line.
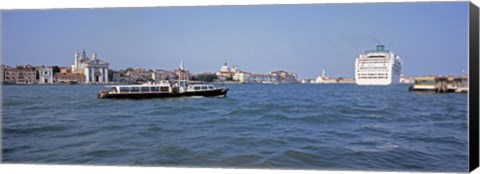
(225, 68)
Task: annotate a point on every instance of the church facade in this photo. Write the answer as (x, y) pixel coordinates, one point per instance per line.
(95, 69)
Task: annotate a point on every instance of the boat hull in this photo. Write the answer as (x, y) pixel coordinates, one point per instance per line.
(209, 93)
(428, 90)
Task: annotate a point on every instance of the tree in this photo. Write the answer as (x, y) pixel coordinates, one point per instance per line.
(205, 77)
(127, 70)
(55, 69)
(229, 78)
(110, 74)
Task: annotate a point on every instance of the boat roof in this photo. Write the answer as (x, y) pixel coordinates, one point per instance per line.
(138, 85)
(202, 84)
(161, 84)
(424, 78)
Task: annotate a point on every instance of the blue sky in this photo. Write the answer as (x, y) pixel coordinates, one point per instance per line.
(431, 38)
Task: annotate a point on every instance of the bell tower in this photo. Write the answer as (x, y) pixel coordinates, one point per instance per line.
(75, 61)
(181, 65)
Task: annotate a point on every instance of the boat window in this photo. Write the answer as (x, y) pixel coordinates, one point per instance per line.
(154, 89)
(204, 87)
(134, 89)
(210, 87)
(196, 87)
(124, 89)
(164, 88)
(145, 89)
(426, 82)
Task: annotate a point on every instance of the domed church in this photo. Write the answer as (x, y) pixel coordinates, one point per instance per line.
(95, 70)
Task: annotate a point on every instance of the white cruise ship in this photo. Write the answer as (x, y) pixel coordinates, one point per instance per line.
(379, 67)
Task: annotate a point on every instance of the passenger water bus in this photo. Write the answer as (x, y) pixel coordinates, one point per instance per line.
(424, 84)
(440, 84)
(163, 89)
(379, 67)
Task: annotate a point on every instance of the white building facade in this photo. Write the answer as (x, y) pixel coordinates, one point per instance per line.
(45, 75)
(95, 70)
(324, 78)
(227, 72)
(160, 75)
(263, 78)
(241, 77)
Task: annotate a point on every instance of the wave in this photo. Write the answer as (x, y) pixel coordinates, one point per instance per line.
(248, 112)
(101, 153)
(266, 126)
(34, 130)
(241, 160)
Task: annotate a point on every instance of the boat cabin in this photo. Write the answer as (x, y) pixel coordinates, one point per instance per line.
(200, 87)
(127, 89)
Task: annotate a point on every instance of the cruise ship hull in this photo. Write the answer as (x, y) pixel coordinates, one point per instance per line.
(374, 82)
(377, 82)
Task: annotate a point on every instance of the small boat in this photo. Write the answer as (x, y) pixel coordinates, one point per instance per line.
(165, 89)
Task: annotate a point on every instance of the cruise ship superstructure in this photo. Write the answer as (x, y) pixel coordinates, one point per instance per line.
(379, 67)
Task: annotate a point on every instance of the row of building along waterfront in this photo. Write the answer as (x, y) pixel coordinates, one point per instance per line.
(141, 75)
(83, 70)
(94, 70)
(274, 77)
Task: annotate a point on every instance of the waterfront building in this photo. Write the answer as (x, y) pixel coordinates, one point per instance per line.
(95, 70)
(235, 69)
(45, 75)
(379, 67)
(234, 73)
(181, 73)
(2, 73)
(139, 75)
(119, 77)
(306, 81)
(345, 80)
(323, 79)
(79, 62)
(67, 76)
(263, 78)
(409, 80)
(227, 72)
(224, 68)
(25, 74)
(274, 77)
(241, 76)
(161, 75)
(284, 77)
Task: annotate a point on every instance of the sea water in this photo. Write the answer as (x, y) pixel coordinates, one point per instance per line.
(295, 126)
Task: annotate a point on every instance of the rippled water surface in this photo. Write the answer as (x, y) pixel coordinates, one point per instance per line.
(257, 126)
